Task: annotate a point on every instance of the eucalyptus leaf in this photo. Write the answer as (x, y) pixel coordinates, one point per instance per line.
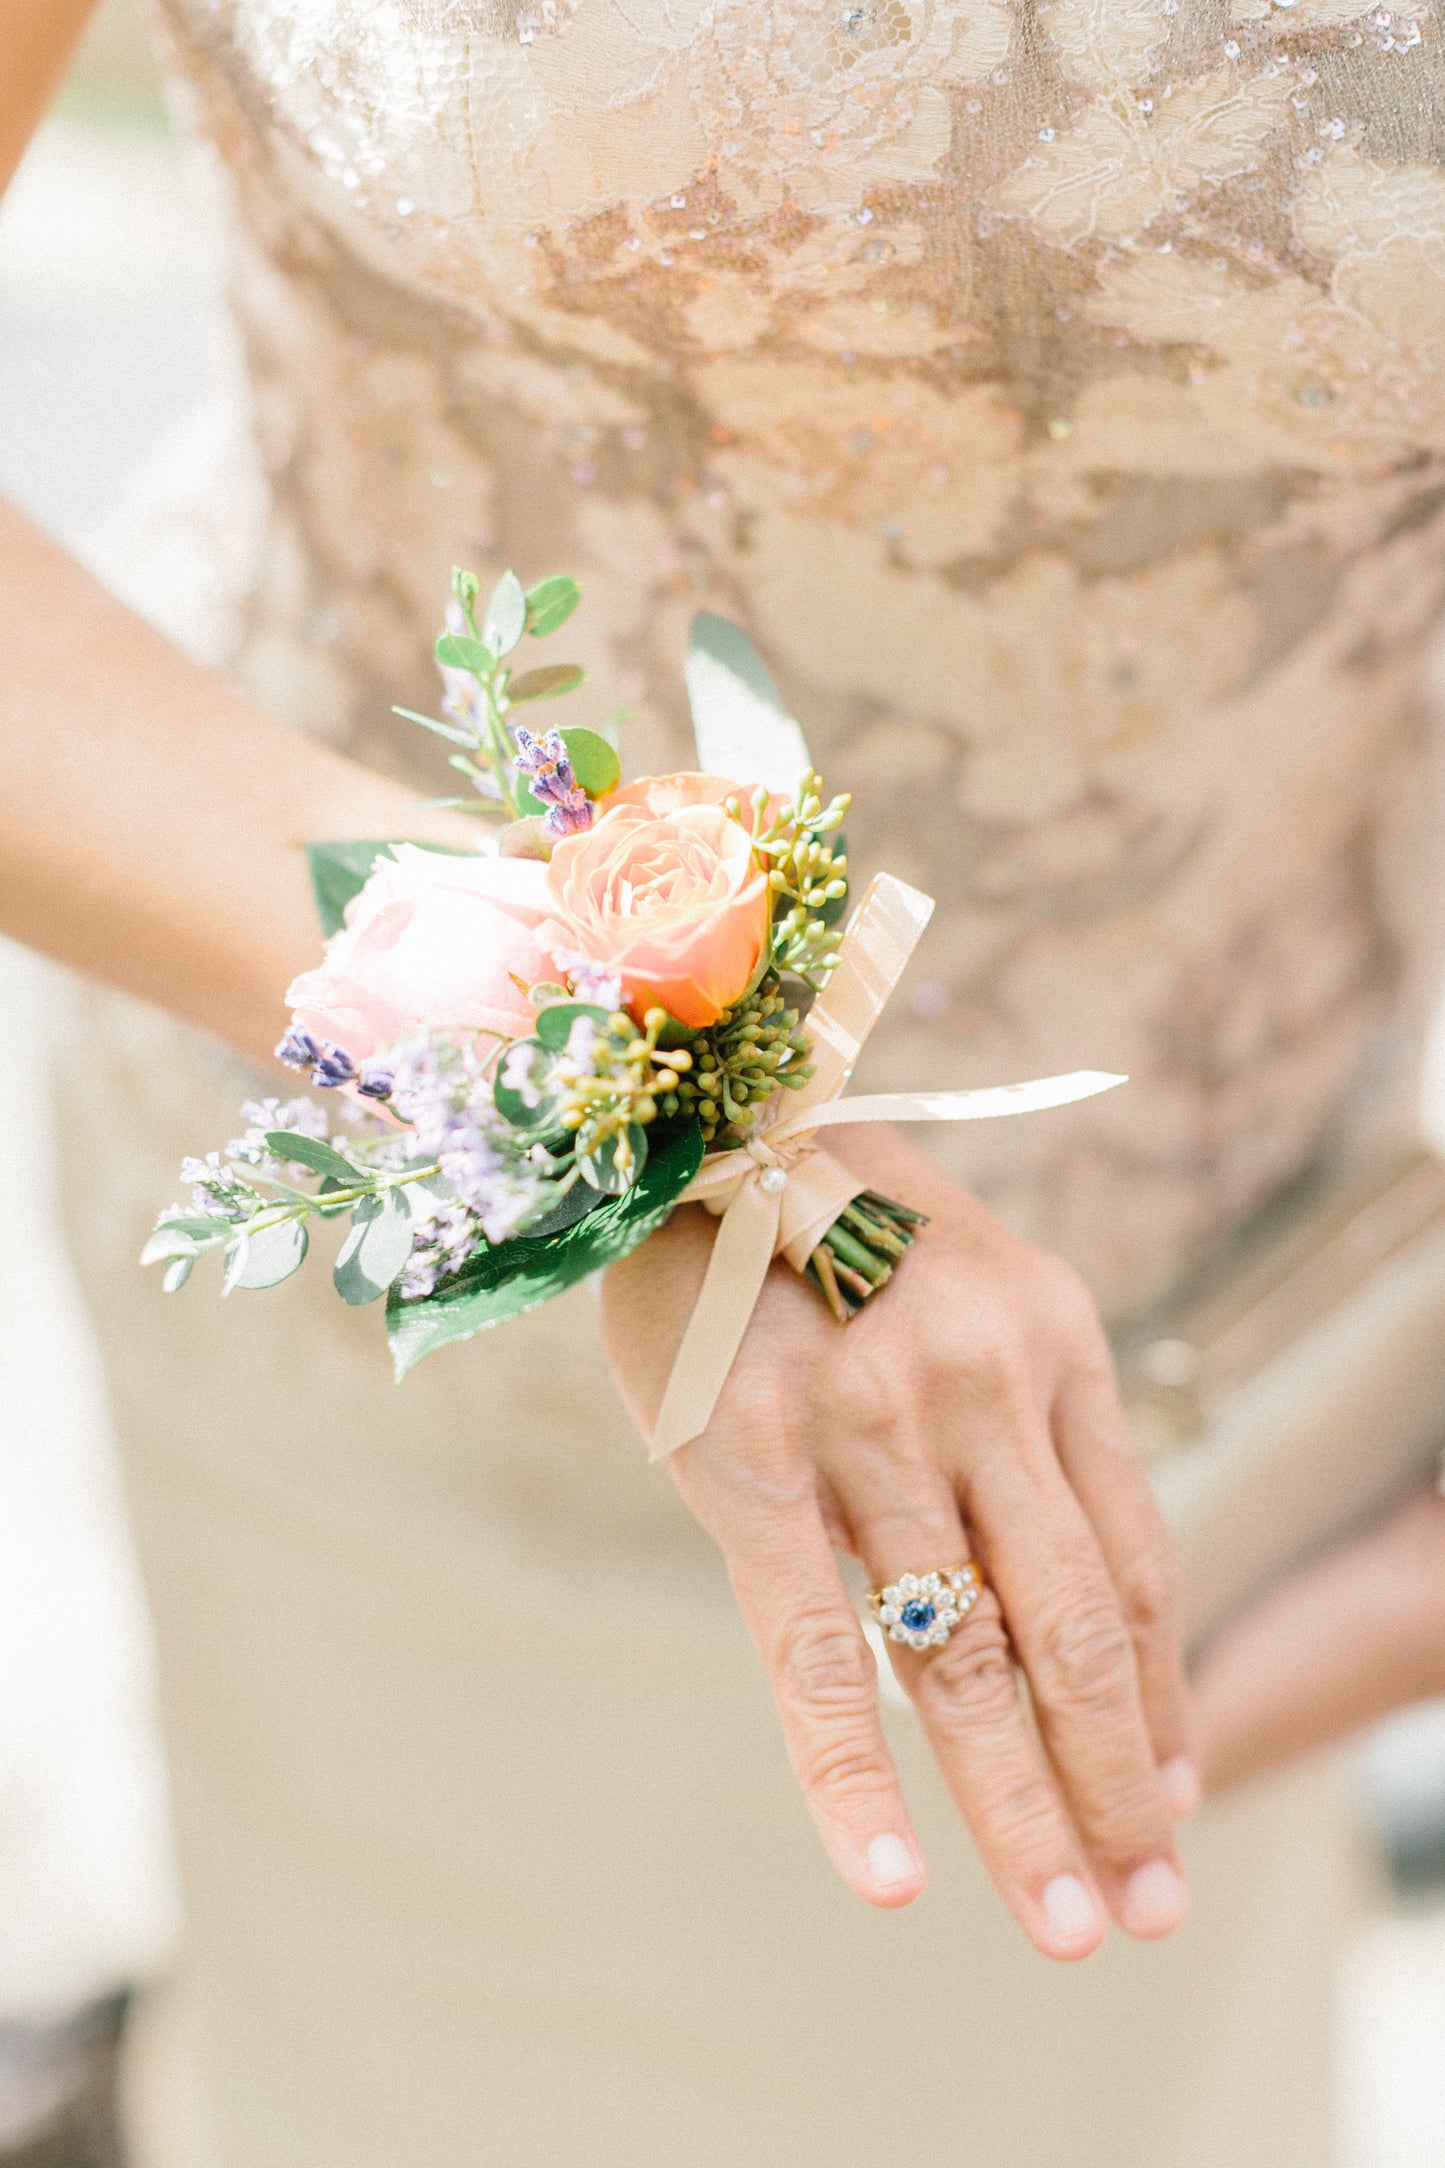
(180, 1238)
(554, 1024)
(340, 871)
(459, 651)
(545, 684)
(602, 1168)
(508, 1100)
(594, 762)
(505, 617)
(265, 1256)
(178, 1273)
(550, 603)
(311, 1152)
(516, 1276)
(739, 722)
(375, 1250)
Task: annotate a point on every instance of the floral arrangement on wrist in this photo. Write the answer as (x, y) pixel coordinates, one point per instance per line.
(538, 1048)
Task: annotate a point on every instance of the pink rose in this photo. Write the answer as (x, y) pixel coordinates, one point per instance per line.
(432, 943)
(672, 901)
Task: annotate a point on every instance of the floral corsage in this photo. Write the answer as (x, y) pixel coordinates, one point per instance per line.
(627, 997)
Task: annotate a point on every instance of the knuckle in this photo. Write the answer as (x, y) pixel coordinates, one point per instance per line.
(1070, 1301)
(972, 1675)
(1149, 1590)
(842, 1765)
(1080, 1652)
(825, 1668)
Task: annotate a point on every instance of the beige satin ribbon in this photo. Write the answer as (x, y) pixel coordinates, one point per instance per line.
(779, 1193)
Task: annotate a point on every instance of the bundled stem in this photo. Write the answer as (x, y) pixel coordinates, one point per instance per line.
(857, 1254)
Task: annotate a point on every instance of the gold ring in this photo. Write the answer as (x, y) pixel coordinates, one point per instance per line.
(922, 1609)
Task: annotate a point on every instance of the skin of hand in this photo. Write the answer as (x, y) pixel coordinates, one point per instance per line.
(970, 1407)
(1355, 1634)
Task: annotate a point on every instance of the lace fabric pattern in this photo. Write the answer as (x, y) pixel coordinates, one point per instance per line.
(1057, 392)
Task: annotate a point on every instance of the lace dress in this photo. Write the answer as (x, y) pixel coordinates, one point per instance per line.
(1056, 392)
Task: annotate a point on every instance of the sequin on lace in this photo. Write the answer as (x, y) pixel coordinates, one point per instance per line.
(1058, 393)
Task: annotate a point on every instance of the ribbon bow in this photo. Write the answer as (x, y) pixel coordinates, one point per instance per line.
(781, 1191)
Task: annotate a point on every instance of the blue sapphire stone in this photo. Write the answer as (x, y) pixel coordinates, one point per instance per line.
(918, 1617)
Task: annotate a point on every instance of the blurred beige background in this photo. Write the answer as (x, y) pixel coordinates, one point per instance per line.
(112, 339)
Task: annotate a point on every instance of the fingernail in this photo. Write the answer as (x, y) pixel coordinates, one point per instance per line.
(1156, 1898)
(891, 1861)
(1070, 1911)
(1179, 1781)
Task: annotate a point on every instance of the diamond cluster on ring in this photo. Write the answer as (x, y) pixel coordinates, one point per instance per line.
(923, 1609)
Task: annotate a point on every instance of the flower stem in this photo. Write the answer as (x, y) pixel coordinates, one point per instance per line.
(857, 1255)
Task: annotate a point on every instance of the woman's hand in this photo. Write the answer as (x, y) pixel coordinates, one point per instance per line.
(970, 1408)
(1357, 1633)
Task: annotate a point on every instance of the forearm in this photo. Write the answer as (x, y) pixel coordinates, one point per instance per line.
(151, 820)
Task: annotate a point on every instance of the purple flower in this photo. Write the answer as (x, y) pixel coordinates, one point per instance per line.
(298, 1049)
(442, 1089)
(548, 769)
(329, 1064)
(376, 1080)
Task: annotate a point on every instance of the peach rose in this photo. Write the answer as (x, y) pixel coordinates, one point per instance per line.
(433, 942)
(670, 793)
(671, 900)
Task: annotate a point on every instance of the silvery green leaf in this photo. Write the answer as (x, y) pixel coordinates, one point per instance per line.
(375, 1250)
(550, 603)
(289, 1144)
(177, 1274)
(602, 1168)
(547, 683)
(265, 1255)
(443, 730)
(554, 1023)
(738, 718)
(180, 1238)
(505, 618)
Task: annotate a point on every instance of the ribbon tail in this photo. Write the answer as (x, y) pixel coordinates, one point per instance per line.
(984, 1105)
(736, 1271)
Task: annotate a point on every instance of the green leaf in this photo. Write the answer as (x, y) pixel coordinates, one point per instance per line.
(340, 871)
(177, 1274)
(443, 730)
(579, 1200)
(518, 1275)
(545, 684)
(459, 651)
(266, 1256)
(550, 603)
(555, 1023)
(738, 718)
(505, 617)
(377, 1247)
(601, 1169)
(594, 762)
(509, 1102)
(311, 1152)
(180, 1238)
